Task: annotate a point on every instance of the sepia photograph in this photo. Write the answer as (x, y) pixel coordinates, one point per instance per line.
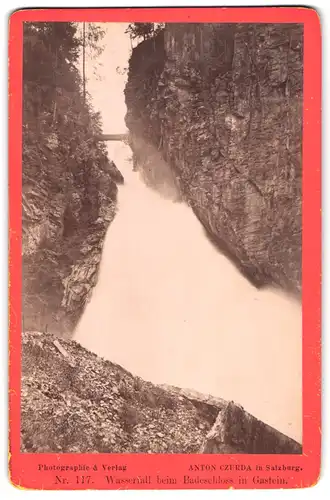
(162, 238)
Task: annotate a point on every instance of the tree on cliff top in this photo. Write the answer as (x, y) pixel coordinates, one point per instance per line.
(144, 30)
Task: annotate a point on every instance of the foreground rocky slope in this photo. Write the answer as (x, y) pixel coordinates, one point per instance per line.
(75, 402)
(223, 104)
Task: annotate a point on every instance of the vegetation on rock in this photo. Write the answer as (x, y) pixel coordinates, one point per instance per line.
(144, 30)
(68, 191)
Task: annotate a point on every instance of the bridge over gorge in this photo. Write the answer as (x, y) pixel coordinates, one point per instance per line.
(112, 137)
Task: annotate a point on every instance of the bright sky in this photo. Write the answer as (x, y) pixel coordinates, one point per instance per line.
(107, 87)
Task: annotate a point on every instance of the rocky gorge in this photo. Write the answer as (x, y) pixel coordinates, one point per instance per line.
(223, 105)
(69, 185)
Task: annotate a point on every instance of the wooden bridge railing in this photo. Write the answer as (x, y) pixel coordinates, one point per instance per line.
(112, 137)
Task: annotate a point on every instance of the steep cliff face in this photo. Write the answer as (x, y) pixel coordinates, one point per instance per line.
(223, 103)
(63, 234)
(68, 187)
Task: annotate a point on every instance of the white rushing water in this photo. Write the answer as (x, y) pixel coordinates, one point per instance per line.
(172, 309)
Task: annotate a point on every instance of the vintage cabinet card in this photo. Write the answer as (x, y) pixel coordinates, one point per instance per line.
(165, 248)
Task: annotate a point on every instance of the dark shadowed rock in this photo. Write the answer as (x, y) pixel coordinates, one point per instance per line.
(115, 174)
(75, 402)
(223, 104)
(63, 234)
(68, 183)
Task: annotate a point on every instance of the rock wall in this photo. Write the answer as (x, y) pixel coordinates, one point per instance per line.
(68, 186)
(223, 104)
(63, 234)
(75, 402)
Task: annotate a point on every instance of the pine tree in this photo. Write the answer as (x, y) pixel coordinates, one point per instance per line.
(143, 30)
